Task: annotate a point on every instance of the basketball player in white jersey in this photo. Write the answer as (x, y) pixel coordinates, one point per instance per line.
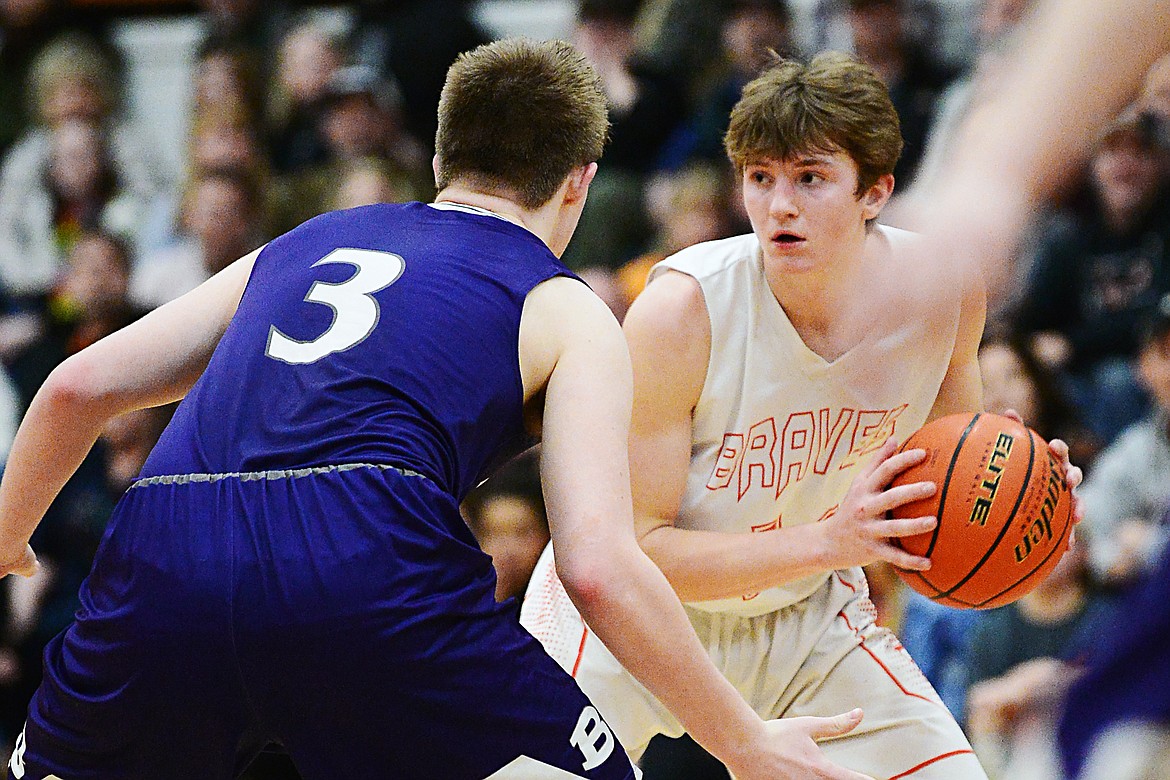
(774, 373)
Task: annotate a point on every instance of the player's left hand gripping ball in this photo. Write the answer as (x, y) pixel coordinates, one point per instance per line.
(1073, 476)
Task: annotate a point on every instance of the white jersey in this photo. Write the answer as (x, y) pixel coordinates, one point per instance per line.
(779, 432)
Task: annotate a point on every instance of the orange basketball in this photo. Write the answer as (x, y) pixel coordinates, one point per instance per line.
(1004, 510)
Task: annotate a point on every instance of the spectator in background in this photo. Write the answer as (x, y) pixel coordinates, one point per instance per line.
(252, 26)
(1022, 659)
(749, 30)
(77, 166)
(89, 302)
(915, 78)
(225, 137)
(694, 204)
(412, 42)
(73, 77)
(510, 526)
(308, 56)
(1014, 379)
(226, 77)
(1098, 266)
(367, 181)
(360, 120)
(1127, 492)
(938, 637)
(75, 187)
(645, 108)
(219, 220)
(25, 27)
(680, 36)
(223, 140)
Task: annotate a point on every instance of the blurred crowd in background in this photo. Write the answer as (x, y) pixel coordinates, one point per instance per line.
(297, 109)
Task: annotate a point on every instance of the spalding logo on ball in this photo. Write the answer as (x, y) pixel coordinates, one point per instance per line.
(1004, 510)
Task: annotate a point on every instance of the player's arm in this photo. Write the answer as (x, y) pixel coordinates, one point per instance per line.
(1072, 67)
(572, 351)
(962, 387)
(669, 336)
(151, 362)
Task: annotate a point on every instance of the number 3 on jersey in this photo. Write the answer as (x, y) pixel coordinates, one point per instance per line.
(355, 312)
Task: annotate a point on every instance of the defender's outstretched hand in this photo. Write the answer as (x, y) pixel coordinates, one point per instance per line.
(794, 754)
(860, 533)
(24, 564)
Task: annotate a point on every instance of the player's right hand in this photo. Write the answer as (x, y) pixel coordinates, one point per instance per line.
(25, 564)
(860, 533)
(791, 751)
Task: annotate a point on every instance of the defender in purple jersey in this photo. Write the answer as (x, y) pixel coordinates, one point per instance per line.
(291, 565)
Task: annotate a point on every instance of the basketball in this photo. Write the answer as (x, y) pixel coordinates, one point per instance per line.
(1004, 510)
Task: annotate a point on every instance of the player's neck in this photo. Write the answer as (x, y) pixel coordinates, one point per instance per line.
(540, 222)
(831, 306)
(499, 206)
(813, 302)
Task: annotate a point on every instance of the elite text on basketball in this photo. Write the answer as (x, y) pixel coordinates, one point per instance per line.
(990, 482)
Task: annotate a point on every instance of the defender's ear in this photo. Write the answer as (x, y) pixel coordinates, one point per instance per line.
(579, 181)
(435, 168)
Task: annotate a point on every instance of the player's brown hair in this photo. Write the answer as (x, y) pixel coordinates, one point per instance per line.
(832, 103)
(518, 115)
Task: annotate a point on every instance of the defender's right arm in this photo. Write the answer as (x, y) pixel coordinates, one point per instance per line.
(669, 334)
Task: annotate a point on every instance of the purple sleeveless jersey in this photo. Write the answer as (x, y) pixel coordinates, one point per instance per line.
(292, 568)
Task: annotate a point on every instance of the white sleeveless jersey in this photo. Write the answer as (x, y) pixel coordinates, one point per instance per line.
(779, 432)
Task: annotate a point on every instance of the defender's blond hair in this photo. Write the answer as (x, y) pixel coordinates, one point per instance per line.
(517, 116)
(833, 103)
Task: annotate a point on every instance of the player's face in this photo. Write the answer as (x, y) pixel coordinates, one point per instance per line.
(805, 210)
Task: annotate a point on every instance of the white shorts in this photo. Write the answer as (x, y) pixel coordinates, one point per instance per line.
(822, 656)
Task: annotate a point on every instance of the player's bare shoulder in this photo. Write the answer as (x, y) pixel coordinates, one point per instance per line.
(671, 299)
(925, 284)
(672, 306)
(562, 313)
(670, 311)
(668, 331)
